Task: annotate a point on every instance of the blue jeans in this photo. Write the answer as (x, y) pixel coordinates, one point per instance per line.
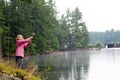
(19, 61)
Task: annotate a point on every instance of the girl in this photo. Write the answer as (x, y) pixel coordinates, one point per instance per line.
(21, 43)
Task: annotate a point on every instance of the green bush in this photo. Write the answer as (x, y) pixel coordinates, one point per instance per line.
(9, 69)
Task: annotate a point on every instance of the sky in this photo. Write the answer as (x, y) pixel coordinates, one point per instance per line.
(99, 15)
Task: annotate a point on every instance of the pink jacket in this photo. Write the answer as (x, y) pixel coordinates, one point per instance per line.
(20, 45)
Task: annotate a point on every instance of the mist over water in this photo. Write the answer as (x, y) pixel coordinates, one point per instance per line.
(101, 64)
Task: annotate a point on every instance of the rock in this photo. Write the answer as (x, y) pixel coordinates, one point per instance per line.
(8, 77)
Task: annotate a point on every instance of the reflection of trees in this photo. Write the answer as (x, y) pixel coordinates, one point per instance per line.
(67, 66)
(79, 67)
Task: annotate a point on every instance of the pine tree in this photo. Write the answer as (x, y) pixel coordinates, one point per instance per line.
(1, 25)
(78, 35)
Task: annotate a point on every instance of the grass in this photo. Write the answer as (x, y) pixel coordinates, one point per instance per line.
(9, 68)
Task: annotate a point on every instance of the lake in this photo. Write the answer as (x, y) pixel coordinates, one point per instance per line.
(101, 64)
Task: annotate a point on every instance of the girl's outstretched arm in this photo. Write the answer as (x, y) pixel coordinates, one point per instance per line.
(20, 42)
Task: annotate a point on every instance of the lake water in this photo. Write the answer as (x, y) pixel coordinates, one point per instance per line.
(101, 64)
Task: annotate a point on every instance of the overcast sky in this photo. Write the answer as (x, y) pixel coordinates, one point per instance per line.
(99, 15)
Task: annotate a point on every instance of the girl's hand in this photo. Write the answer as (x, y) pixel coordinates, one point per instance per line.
(31, 37)
(33, 34)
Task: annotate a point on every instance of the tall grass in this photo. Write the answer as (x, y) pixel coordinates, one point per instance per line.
(8, 68)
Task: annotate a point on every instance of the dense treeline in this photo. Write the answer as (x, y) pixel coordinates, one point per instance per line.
(74, 30)
(26, 17)
(109, 36)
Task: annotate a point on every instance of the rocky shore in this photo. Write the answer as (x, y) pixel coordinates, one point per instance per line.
(8, 77)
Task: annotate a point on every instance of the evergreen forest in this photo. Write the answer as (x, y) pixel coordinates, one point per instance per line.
(107, 37)
(40, 17)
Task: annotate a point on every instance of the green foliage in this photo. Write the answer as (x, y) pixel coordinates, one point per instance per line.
(109, 36)
(118, 44)
(76, 34)
(22, 17)
(1, 30)
(39, 16)
(98, 45)
(9, 69)
(48, 68)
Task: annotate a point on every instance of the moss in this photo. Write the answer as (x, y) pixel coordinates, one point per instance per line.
(9, 69)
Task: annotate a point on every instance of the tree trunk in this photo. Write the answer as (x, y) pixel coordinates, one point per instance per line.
(0, 48)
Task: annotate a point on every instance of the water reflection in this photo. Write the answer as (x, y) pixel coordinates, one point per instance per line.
(71, 65)
(101, 64)
(105, 65)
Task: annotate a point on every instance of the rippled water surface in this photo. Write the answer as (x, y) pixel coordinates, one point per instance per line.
(101, 64)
